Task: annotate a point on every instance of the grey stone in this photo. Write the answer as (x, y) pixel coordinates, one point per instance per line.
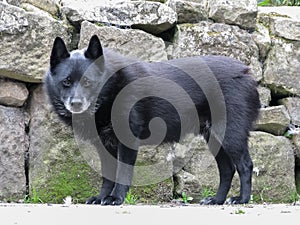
(26, 41)
(274, 120)
(189, 11)
(282, 11)
(264, 96)
(12, 93)
(152, 17)
(13, 146)
(153, 174)
(154, 165)
(197, 168)
(262, 38)
(241, 13)
(285, 27)
(129, 42)
(50, 6)
(273, 174)
(274, 165)
(293, 107)
(206, 38)
(282, 65)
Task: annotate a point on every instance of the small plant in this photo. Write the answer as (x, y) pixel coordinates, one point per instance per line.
(288, 135)
(131, 198)
(34, 198)
(262, 193)
(295, 197)
(185, 199)
(239, 212)
(251, 201)
(279, 3)
(207, 193)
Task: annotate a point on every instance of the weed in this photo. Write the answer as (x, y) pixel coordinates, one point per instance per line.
(239, 212)
(279, 3)
(295, 197)
(33, 198)
(207, 193)
(185, 199)
(262, 193)
(131, 198)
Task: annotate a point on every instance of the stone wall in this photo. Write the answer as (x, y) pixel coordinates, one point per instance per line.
(39, 155)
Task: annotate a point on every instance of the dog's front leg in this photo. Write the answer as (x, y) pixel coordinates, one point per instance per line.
(109, 162)
(126, 161)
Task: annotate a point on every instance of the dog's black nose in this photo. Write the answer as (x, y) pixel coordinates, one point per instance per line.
(76, 103)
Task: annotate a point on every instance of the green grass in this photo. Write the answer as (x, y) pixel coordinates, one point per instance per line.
(279, 3)
(239, 212)
(295, 197)
(131, 199)
(185, 199)
(33, 198)
(207, 193)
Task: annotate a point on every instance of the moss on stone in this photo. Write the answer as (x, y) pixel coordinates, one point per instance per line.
(73, 181)
(64, 173)
(213, 33)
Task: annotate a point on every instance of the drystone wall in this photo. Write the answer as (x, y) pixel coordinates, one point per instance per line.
(39, 155)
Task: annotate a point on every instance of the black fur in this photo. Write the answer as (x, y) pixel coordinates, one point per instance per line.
(73, 79)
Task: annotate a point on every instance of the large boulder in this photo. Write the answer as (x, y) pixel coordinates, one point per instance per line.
(274, 167)
(13, 93)
(241, 13)
(26, 40)
(129, 42)
(153, 174)
(13, 148)
(57, 167)
(274, 120)
(152, 17)
(282, 65)
(199, 169)
(206, 38)
(273, 173)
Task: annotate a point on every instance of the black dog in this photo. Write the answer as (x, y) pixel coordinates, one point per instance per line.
(121, 99)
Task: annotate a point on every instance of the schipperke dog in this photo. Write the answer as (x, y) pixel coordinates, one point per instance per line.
(129, 103)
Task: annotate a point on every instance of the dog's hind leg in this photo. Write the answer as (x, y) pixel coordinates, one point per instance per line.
(226, 172)
(244, 167)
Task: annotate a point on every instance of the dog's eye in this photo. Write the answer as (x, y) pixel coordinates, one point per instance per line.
(67, 82)
(86, 82)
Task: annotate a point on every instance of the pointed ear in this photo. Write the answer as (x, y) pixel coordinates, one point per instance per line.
(59, 52)
(94, 49)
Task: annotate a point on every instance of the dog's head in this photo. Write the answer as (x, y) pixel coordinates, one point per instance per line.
(73, 77)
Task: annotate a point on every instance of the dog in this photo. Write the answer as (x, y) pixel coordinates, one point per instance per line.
(126, 103)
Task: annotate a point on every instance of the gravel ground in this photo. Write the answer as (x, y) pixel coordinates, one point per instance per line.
(11, 214)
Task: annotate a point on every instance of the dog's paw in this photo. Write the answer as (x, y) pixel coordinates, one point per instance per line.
(112, 200)
(235, 201)
(210, 201)
(94, 200)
